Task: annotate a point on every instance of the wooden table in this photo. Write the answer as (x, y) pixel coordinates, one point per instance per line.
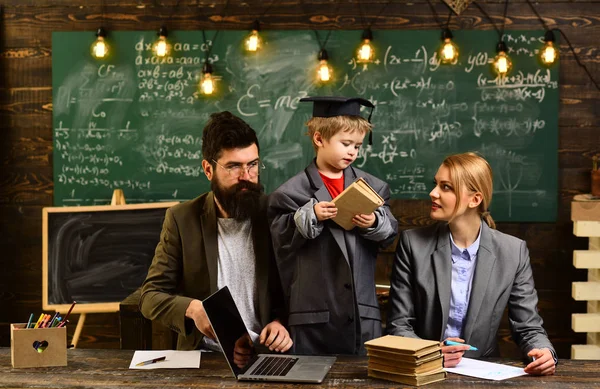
(88, 368)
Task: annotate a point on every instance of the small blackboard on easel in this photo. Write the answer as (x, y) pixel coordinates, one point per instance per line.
(97, 255)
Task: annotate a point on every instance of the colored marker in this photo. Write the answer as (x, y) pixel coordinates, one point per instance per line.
(37, 324)
(452, 343)
(45, 321)
(151, 361)
(29, 322)
(52, 320)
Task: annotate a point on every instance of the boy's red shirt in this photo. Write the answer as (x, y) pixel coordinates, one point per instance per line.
(335, 186)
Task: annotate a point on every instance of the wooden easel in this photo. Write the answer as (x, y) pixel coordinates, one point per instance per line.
(118, 198)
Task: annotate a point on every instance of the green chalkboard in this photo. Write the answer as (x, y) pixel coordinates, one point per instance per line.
(134, 121)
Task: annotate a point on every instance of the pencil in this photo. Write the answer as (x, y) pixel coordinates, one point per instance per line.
(151, 361)
(68, 313)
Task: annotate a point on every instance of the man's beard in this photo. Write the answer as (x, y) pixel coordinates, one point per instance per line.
(238, 203)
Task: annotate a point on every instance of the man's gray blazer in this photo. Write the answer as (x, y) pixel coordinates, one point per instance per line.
(420, 290)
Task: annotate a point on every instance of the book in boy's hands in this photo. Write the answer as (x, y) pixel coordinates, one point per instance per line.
(358, 198)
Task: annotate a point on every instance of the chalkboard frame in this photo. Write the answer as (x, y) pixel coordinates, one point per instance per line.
(83, 307)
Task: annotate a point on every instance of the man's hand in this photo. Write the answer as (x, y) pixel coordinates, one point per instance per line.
(364, 221)
(325, 210)
(196, 312)
(543, 363)
(276, 337)
(453, 354)
(242, 351)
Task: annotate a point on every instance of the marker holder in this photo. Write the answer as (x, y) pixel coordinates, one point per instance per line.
(51, 346)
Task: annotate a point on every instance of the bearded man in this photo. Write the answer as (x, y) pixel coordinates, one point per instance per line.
(218, 239)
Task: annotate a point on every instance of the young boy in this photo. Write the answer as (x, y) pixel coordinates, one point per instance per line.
(328, 273)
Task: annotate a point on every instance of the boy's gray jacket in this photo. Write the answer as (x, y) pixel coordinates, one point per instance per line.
(328, 273)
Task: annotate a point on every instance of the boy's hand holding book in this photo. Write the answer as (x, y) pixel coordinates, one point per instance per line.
(364, 220)
(325, 210)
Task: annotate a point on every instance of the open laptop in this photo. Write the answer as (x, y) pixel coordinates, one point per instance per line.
(228, 326)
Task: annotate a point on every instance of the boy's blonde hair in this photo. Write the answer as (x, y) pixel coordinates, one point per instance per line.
(330, 126)
(471, 172)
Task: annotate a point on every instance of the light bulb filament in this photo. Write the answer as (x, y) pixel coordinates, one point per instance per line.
(207, 85)
(99, 48)
(449, 51)
(161, 47)
(549, 53)
(365, 52)
(253, 41)
(502, 65)
(324, 71)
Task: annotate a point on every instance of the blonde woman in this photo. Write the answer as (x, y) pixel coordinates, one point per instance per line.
(452, 281)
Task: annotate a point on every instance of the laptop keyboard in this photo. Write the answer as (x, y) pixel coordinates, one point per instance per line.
(274, 366)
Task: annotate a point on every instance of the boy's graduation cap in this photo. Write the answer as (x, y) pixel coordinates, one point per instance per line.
(329, 106)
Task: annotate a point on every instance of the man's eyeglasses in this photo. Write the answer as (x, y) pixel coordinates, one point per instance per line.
(236, 170)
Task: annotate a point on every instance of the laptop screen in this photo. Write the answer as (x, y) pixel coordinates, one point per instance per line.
(226, 322)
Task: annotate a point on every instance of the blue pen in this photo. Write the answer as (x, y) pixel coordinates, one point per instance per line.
(452, 343)
(29, 322)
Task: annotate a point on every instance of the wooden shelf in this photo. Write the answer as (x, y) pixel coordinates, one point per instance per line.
(586, 259)
(586, 228)
(585, 351)
(586, 291)
(585, 213)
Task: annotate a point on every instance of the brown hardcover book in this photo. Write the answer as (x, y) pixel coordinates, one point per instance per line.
(403, 358)
(392, 366)
(410, 379)
(403, 345)
(357, 198)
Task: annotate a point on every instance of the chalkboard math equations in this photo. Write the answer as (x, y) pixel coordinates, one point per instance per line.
(134, 121)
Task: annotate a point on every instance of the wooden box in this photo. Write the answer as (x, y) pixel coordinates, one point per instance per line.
(585, 207)
(23, 344)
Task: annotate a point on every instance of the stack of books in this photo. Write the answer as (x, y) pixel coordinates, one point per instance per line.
(406, 360)
(358, 198)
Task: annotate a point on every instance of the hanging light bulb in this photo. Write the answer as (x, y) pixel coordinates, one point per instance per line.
(161, 47)
(253, 42)
(324, 71)
(549, 54)
(366, 53)
(207, 82)
(99, 48)
(502, 63)
(449, 50)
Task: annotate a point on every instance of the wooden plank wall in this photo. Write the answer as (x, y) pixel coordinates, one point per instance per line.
(26, 126)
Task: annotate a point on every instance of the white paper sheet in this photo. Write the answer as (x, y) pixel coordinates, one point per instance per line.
(485, 370)
(175, 359)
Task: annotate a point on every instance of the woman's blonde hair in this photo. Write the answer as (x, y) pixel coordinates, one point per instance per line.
(330, 126)
(469, 171)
